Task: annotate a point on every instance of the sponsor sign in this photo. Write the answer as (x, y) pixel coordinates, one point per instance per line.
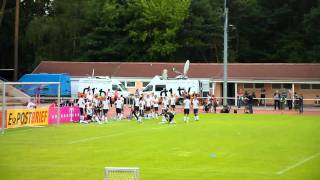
(27, 117)
(67, 114)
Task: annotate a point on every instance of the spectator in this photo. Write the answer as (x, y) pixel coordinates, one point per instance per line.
(31, 105)
(317, 102)
(289, 99)
(250, 99)
(276, 97)
(240, 98)
(255, 101)
(300, 100)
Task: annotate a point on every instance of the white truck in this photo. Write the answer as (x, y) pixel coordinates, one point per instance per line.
(162, 86)
(166, 87)
(101, 85)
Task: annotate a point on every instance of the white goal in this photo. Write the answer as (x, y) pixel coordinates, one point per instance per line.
(121, 173)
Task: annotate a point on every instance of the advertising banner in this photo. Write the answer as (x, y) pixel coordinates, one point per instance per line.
(27, 117)
(67, 114)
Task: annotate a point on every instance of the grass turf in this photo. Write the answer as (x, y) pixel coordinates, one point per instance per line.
(219, 146)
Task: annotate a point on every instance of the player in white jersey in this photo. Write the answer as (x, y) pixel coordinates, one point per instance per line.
(141, 109)
(165, 102)
(105, 108)
(122, 108)
(136, 106)
(152, 105)
(195, 104)
(82, 105)
(156, 106)
(119, 105)
(173, 103)
(148, 107)
(186, 111)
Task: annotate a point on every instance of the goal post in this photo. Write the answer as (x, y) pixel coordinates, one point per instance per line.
(121, 173)
(26, 104)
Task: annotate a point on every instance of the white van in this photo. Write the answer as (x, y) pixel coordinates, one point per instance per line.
(166, 87)
(101, 85)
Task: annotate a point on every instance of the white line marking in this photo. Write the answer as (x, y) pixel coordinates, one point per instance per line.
(297, 164)
(94, 138)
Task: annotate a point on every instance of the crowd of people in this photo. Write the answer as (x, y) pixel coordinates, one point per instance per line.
(94, 108)
(281, 100)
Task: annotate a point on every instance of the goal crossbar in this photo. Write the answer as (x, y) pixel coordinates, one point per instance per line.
(121, 173)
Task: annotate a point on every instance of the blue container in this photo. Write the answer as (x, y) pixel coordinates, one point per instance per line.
(46, 90)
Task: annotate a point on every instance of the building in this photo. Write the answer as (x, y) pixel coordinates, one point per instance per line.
(301, 78)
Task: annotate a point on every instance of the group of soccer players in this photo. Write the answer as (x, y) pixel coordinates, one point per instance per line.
(94, 108)
(147, 106)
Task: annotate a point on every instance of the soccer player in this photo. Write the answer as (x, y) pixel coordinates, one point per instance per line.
(186, 104)
(136, 103)
(141, 109)
(165, 102)
(119, 105)
(105, 108)
(89, 111)
(156, 105)
(169, 117)
(148, 106)
(81, 104)
(195, 104)
(173, 103)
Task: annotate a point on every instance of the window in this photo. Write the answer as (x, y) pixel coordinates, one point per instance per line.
(123, 87)
(131, 84)
(315, 86)
(160, 87)
(259, 85)
(305, 86)
(211, 85)
(276, 86)
(123, 83)
(144, 84)
(115, 87)
(148, 88)
(248, 85)
(287, 86)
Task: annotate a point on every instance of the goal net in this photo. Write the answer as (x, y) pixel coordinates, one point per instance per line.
(121, 173)
(28, 104)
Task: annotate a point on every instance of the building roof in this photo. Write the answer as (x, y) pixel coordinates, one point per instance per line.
(236, 71)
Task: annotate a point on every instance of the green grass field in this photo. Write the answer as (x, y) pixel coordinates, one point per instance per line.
(221, 146)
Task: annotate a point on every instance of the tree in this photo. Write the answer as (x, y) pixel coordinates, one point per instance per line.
(201, 37)
(55, 34)
(156, 25)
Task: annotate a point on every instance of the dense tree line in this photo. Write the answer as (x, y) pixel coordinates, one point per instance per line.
(160, 30)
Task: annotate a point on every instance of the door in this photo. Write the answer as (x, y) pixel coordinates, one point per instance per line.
(230, 92)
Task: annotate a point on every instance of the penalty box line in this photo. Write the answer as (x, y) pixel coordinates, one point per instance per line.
(299, 163)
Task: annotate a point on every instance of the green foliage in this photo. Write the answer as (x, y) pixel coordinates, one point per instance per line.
(157, 24)
(163, 30)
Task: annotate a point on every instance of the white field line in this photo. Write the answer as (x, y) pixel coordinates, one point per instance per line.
(110, 135)
(94, 138)
(297, 164)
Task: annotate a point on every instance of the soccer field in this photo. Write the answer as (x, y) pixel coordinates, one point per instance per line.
(219, 146)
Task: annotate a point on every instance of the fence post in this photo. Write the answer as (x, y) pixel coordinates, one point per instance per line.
(59, 102)
(3, 114)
